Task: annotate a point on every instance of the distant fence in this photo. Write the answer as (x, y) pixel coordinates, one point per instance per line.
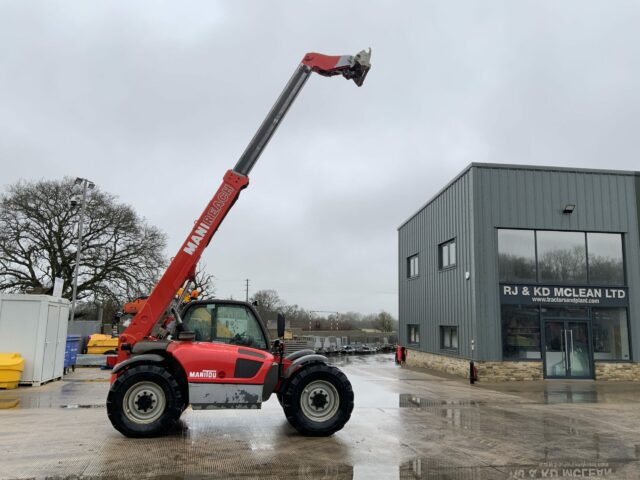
(350, 336)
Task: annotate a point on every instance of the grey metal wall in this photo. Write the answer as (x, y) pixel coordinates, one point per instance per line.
(436, 297)
(483, 198)
(517, 197)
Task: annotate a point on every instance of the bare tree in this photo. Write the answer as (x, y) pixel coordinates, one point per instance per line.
(384, 322)
(121, 255)
(204, 282)
(268, 300)
(349, 320)
(269, 303)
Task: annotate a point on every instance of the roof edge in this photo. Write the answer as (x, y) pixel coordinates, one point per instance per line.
(439, 192)
(508, 166)
(550, 168)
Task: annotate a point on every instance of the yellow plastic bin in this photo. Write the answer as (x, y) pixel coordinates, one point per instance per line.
(11, 368)
(99, 344)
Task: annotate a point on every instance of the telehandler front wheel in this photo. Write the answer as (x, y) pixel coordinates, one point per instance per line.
(145, 401)
(318, 400)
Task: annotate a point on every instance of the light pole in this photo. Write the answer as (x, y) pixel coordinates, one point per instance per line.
(86, 185)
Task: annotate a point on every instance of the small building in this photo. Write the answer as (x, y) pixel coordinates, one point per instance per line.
(531, 272)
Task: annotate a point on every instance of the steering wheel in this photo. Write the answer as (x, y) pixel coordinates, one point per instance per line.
(241, 339)
(238, 338)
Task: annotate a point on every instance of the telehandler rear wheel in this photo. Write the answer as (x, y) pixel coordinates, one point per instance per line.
(318, 400)
(145, 401)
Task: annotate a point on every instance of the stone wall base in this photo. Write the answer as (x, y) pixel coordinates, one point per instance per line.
(618, 371)
(442, 363)
(487, 371)
(512, 371)
(509, 371)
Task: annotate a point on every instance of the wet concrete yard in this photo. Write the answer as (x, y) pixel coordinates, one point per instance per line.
(406, 424)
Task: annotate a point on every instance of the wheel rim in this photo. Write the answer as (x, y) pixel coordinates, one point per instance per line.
(144, 402)
(319, 401)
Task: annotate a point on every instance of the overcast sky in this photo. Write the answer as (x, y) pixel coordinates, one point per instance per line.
(154, 101)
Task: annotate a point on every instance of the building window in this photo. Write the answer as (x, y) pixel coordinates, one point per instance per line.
(449, 337)
(610, 334)
(562, 257)
(520, 333)
(413, 334)
(412, 266)
(605, 258)
(447, 254)
(546, 256)
(517, 256)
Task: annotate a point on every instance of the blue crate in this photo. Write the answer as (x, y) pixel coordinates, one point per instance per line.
(71, 351)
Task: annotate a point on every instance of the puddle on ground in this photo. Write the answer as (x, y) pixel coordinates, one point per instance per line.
(86, 380)
(429, 468)
(408, 400)
(570, 396)
(22, 403)
(28, 402)
(73, 406)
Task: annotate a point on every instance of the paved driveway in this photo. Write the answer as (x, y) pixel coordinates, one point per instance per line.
(406, 424)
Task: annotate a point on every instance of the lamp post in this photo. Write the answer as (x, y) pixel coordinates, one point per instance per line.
(86, 185)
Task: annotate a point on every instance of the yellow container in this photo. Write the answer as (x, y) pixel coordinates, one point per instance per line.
(11, 368)
(99, 344)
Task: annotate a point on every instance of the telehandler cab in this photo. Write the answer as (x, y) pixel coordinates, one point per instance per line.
(218, 354)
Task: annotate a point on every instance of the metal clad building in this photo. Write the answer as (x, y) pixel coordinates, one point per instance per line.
(533, 272)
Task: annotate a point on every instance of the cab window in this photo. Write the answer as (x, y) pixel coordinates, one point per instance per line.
(233, 324)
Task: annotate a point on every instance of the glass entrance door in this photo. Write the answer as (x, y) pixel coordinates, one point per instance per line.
(567, 349)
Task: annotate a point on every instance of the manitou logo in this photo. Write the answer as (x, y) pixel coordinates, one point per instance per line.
(204, 374)
(196, 237)
(207, 219)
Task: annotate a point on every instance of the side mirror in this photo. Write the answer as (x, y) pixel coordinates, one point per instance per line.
(280, 325)
(187, 336)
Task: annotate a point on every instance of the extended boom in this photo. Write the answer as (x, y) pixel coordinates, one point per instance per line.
(182, 268)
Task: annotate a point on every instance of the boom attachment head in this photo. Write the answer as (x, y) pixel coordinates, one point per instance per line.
(351, 67)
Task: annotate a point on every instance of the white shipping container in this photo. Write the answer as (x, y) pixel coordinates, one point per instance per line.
(36, 327)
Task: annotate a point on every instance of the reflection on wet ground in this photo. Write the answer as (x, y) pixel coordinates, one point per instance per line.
(9, 402)
(406, 425)
(551, 396)
(71, 406)
(408, 400)
(569, 391)
(426, 468)
(85, 386)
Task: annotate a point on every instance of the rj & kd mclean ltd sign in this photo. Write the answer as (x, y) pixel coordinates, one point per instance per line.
(563, 294)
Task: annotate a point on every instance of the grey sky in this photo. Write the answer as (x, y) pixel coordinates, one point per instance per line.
(154, 101)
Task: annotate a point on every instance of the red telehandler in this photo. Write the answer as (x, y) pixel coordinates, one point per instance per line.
(218, 354)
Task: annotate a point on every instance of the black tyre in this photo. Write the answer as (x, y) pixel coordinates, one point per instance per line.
(145, 401)
(318, 400)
